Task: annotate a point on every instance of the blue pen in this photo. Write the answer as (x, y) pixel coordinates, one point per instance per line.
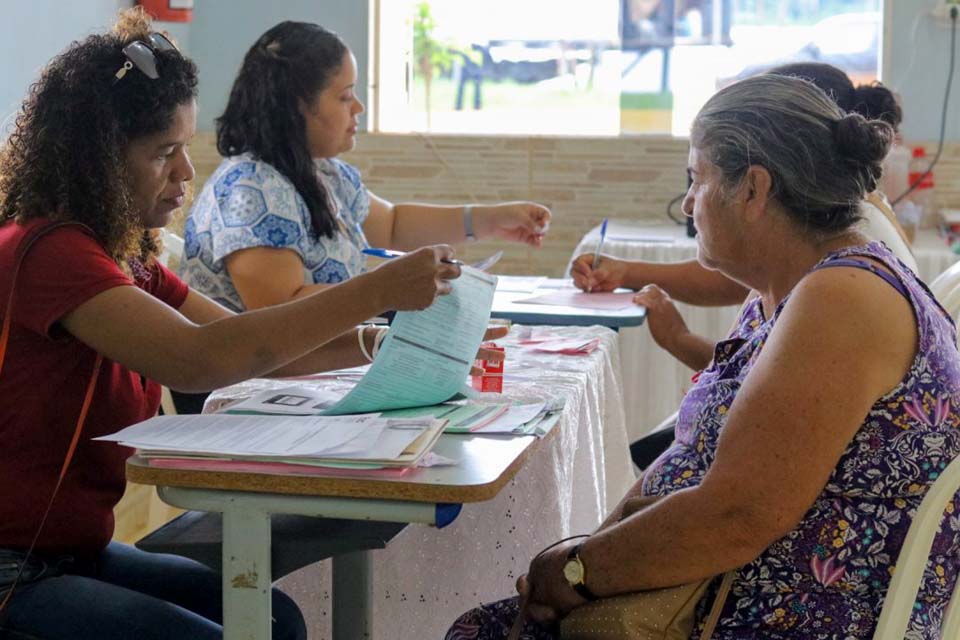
(390, 253)
(596, 254)
(603, 236)
(383, 253)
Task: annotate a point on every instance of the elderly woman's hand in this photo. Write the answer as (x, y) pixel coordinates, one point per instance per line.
(608, 275)
(666, 324)
(525, 222)
(551, 597)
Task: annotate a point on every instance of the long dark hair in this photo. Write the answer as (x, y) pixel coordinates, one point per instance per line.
(289, 64)
(65, 159)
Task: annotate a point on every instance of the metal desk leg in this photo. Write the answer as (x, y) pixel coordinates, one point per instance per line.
(247, 601)
(352, 610)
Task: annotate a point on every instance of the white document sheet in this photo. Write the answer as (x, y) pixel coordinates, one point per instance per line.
(427, 354)
(522, 284)
(514, 418)
(238, 435)
(290, 401)
(609, 301)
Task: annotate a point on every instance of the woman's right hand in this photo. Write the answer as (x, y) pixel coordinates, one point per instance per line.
(413, 281)
(608, 275)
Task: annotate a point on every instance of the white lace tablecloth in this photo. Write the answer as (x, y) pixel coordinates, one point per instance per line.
(426, 577)
(653, 381)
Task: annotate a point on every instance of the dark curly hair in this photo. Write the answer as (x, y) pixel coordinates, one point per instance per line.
(65, 159)
(289, 64)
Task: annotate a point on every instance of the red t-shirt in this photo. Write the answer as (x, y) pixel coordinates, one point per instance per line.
(42, 385)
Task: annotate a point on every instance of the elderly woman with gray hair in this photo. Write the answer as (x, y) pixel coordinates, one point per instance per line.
(804, 449)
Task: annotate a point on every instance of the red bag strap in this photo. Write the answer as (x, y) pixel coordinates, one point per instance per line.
(25, 246)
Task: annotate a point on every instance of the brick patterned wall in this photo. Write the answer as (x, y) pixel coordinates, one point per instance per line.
(581, 179)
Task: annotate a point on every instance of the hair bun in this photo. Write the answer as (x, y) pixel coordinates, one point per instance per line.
(863, 144)
(875, 102)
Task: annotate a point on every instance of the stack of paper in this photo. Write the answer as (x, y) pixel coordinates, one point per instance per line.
(361, 440)
(460, 417)
(562, 346)
(515, 419)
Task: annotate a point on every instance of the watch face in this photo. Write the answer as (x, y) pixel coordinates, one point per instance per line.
(573, 571)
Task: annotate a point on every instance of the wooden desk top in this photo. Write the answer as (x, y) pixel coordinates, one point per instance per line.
(485, 465)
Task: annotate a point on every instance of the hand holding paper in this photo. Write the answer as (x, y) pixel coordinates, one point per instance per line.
(525, 222)
(414, 280)
(427, 355)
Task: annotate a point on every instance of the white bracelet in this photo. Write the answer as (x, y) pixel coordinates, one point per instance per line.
(378, 340)
(468, 223)
(363, 347)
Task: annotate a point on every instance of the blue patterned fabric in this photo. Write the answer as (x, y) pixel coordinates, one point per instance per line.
(248, 203)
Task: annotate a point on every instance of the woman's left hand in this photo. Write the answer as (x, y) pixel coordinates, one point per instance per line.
(551, 596)
(525, 222)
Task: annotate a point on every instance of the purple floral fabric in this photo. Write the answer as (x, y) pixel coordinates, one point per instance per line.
(828, 577)
(493, 621)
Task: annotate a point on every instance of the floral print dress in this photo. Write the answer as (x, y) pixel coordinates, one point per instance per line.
(248, 203)
(827, 578)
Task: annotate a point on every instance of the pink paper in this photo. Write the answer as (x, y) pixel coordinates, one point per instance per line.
(582, 300)
(568, 347)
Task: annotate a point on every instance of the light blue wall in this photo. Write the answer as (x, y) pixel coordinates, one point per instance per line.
(223, 30)
(919, 58)
(33, 32)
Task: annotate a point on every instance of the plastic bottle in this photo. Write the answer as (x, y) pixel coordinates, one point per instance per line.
(924, 195)
(894, 182)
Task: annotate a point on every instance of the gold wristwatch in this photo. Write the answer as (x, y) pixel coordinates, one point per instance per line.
(575, 573)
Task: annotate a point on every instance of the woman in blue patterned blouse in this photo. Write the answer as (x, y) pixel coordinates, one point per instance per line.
(282, 217)
(803, 451)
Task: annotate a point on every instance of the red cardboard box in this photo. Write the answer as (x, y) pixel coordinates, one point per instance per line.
(492, 379)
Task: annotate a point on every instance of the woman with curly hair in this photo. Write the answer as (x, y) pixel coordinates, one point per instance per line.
(282, 216)
(96, 165)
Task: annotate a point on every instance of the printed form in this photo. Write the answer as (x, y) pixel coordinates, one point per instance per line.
(426, 356)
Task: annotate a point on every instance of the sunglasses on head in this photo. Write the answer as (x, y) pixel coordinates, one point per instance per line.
(142, 55)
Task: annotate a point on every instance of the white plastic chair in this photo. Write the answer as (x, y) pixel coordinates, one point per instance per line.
(172, 249)
(945, 283)
(950, 299)
(898, 605)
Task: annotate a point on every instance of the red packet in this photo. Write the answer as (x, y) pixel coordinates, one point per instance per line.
(492, 379)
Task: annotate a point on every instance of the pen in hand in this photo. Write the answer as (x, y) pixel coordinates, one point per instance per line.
(596, 254)
(391, 253)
